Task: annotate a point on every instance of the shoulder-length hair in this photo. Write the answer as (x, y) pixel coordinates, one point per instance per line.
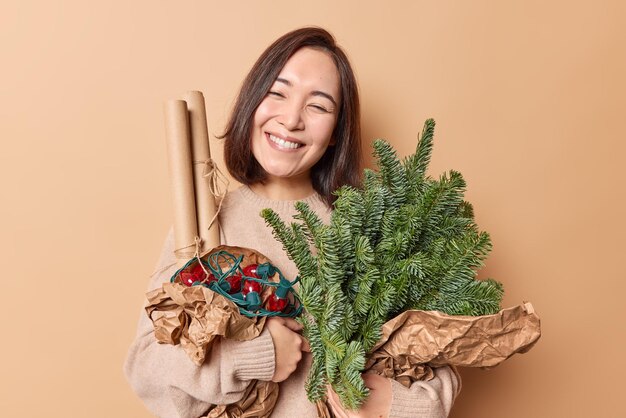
(341, 164)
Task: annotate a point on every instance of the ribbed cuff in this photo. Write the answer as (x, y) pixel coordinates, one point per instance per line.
(406, 403)
(253, 359)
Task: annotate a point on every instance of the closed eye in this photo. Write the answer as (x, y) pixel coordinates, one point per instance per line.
(320, 108)
(275, 93)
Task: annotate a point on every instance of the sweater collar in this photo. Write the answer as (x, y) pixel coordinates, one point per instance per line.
(313, 200)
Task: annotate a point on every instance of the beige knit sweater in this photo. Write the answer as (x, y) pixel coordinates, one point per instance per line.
(172, 386)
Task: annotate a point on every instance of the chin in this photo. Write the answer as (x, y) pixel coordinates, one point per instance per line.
(280, 175)
(284, 174)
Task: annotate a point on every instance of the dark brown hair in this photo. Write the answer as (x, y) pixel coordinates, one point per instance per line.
(341, 164)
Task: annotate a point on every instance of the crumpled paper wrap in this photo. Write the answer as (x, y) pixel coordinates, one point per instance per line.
(195, 316)
(258, 402)
(467, 341)
(416, 338)
(411, 343)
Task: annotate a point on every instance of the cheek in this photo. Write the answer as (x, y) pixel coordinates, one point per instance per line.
(263, 112)
(324, 130)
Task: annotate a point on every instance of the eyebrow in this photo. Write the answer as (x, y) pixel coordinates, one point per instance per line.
(313, 93)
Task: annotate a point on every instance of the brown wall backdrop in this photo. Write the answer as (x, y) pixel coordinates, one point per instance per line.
(530, 99)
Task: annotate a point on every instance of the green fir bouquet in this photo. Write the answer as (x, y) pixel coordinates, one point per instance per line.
(403, 241)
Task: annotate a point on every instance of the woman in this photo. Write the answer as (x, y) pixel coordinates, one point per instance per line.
(293, 135)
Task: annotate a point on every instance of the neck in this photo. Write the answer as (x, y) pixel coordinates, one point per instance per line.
(277, 188)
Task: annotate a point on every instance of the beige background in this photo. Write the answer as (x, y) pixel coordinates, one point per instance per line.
(529, 97)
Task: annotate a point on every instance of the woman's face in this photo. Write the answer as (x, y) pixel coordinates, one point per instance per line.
(294, 123)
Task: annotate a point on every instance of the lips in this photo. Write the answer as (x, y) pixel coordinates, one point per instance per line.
(282, 143)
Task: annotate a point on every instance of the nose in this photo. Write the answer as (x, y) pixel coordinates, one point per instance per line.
(291, 116)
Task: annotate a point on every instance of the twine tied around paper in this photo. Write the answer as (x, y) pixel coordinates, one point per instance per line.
(180, 254)
(218, 186)
(217, 182)
(198, 244)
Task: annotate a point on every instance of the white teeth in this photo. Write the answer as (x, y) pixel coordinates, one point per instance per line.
(284, 144)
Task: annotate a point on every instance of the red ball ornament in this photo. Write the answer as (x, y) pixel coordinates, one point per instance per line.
(276, 304)
(235, 283)
(251, 271)
(194, 274)
(250, 286)
(187, 278)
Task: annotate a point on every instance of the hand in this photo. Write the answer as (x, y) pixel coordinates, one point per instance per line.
(377, 404)
(288, 345)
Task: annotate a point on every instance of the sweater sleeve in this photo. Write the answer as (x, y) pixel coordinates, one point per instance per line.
(429, 398)
(171, 385)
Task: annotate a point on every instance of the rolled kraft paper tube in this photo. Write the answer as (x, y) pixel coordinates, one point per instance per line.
(181, 177)
(200, 149)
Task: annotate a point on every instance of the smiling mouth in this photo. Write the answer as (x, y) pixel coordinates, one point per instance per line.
(283, 143)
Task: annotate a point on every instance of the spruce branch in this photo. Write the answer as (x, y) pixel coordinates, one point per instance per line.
(403, 241)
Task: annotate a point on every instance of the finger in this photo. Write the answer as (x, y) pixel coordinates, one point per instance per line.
(276, 319)
(305, 345)
(292, 324)
(297, 356)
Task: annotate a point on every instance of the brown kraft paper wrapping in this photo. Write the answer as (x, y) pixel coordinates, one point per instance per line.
(195, 316)
(258, 402)
(181, 179)
(415, 338)
(202, 163)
